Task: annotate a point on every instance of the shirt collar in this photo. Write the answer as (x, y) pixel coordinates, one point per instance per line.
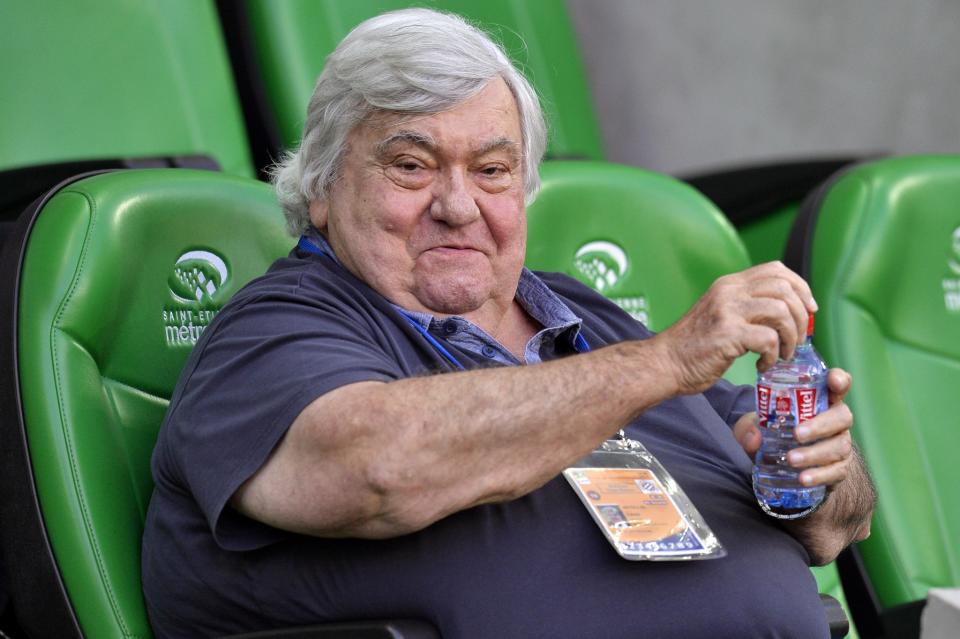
(317, 239)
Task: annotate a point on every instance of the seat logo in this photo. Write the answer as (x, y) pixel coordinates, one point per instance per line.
(602, 265)
(195, 284)
(951, 285)
(197, 276)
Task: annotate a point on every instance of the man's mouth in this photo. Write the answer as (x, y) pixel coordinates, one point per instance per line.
(452, 249)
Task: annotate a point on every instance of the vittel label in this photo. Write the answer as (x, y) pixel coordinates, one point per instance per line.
(806, 403)
(763, 400)
(788, 404)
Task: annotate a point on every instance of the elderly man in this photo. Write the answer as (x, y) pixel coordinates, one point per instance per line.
(314, 466)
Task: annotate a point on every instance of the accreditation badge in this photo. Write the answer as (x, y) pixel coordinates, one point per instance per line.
(639, 507)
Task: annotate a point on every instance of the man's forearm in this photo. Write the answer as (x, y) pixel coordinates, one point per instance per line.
(407, 453)
(843, 518)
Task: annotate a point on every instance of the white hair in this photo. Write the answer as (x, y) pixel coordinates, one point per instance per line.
(416, 61)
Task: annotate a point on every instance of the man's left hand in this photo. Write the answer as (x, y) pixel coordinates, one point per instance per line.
(829, 458)
(828, 447)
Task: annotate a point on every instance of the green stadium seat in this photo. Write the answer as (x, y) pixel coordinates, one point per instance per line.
(280, 46)
(117, 79)
(117, 276)
(649, 242)
(880, 246)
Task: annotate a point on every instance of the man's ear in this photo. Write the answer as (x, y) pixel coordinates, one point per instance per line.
(319, 213)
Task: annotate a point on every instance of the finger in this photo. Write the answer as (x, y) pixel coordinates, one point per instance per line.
(764, 341)
(747, 434)
(839, 382)
(826, 475)
(777, 269)
(779, 288)
(833, 421)
(775, 314)
(823, 453)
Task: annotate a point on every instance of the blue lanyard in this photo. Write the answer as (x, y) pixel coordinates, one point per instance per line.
(306, 245)
(581, 344)
(433, 340)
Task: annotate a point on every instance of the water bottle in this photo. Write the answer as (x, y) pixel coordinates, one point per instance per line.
(788, 394)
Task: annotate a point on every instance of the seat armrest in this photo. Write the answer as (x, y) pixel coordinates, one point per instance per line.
(836, 617)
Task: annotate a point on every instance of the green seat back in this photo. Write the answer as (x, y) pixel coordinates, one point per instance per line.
(883, 259)
(121, 273)
(292, 39)
(647, 241)
(115, 78)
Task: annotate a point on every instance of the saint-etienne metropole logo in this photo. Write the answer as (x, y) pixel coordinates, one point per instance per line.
(602, 265)
(195, 282)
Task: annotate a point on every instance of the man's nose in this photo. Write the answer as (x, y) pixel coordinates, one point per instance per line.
(453, 200)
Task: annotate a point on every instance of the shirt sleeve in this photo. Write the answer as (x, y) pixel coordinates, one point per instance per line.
(730, 401)
(266, 360)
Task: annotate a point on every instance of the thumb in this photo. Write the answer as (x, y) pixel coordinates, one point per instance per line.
(747, 434)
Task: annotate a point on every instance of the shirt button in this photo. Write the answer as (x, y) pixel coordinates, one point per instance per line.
(489, 351)
(450, 327)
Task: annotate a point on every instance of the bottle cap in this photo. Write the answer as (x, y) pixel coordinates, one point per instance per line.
(810, 325)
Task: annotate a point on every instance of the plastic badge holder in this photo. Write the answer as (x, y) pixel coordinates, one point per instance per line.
(641, 510)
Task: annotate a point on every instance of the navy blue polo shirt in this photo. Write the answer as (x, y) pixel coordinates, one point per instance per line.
(532, 567)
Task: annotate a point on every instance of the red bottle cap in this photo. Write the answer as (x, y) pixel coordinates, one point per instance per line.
(810, 325)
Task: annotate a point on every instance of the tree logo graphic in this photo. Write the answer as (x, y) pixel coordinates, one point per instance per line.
(600, 265)
(197, 276)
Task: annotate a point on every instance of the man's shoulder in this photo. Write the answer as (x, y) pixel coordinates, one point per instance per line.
(296, 294)
(310, 278)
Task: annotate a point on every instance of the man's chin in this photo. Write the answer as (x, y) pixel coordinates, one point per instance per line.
(453, 298)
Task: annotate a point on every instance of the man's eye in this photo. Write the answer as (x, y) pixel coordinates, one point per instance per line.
(494, 178)
(409, 173)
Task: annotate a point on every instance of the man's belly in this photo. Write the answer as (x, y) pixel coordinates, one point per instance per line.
(539, 567)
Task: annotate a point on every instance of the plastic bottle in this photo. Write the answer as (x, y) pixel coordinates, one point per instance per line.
(789, 393)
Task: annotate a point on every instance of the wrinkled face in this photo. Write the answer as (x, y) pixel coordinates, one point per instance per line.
(429, 210)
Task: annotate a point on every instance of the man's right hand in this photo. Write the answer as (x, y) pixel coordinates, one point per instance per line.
(763, 309)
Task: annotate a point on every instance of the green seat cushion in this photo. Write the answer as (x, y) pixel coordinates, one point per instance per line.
(122, 271)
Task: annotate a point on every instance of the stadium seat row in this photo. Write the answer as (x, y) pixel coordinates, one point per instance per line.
(150, 82)
(102, 330)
